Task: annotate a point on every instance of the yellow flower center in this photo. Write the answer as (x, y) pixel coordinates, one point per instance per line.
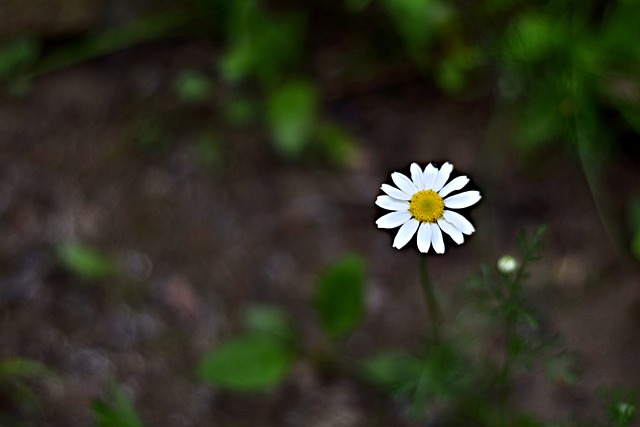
(426, 206)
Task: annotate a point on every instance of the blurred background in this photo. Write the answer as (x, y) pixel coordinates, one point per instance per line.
(167, 166)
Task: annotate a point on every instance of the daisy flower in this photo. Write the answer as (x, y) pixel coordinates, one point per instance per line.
(423, 204)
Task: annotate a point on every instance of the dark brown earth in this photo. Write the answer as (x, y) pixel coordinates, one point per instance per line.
(200, 243)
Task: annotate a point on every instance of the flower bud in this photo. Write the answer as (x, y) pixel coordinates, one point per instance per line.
(507, 264)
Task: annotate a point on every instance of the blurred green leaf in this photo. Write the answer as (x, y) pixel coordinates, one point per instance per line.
(393, 371)
(620, 26)
(418, 21)
(340, 296)
(23, 368)
(96, 45)
(545, 115)
(337, 144)
(291, 114)
(260, 45)
(240, 112)
(453, 70)
(118, 411)
(271, 321)
(150, 135)
(193, 86)
(532, 38)
(251, 362)
(18, 56)
(86, 262)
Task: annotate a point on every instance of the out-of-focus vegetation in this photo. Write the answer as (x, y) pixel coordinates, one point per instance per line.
(562, 71)
(453, 377)
(272, 338)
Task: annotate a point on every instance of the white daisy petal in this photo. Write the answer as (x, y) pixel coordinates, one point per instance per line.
(416, 175)
(391, 204)
(455, 184)
(424, 237)
(442, 176)
(458, 221)
(405, 233)
(462, 200)
(394, 192)
(403, 183)
(428, 176)
(448, 228)
(436, 238)
(393, 219)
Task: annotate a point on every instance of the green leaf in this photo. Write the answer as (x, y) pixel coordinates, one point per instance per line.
(453, 71)
(240, 112)
(17, 56)
(251, 362)
(85, 262)
(271, 321)
(118, 412)
(340, 296)
(23, 368)
(291, 114)
(261, 45)
(150, 135)
(532, 38)
(193, 86)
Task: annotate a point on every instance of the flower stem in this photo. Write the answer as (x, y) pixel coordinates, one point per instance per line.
(430, 298)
